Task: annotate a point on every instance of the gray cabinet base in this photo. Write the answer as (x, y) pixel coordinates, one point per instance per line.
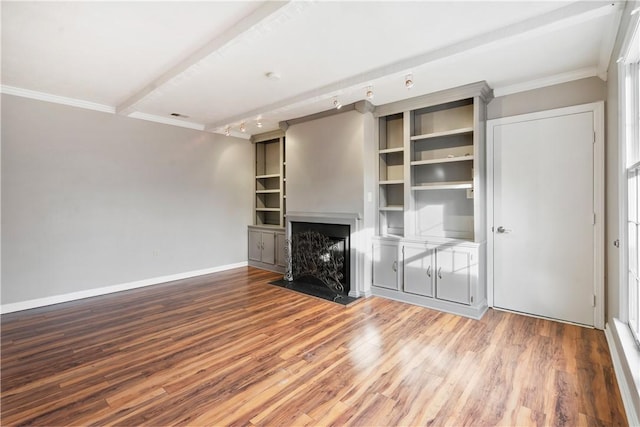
(265, 266)
(475, 311)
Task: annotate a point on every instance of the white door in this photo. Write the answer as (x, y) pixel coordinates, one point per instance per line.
(543, 216)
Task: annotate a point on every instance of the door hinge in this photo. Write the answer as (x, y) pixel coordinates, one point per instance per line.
(594, 218)
(594, 300)
(594, 137)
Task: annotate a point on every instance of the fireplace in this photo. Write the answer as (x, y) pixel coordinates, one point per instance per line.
(320, 255)
(331, 265)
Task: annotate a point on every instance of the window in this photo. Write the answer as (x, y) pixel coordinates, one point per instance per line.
(631, 133)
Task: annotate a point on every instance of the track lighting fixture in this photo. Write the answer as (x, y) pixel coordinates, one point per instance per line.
(336, 103)
(369, 92)
(242, 127)
(227, 131)
(408, 81)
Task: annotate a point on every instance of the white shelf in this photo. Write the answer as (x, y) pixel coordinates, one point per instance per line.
(445, 133)
(397, 208)
(273, 175)
(391, 150)
(267, 191)
(268, 209)
(454, 185)
(393, 181)
(443, 160)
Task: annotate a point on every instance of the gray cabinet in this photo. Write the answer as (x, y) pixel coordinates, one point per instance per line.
(385, 264)
(419, 268)
(266, 248)
(444, 275)
(453, 275)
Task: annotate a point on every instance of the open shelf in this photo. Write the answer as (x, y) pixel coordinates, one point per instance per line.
(398, 208)
(391, 150)
(442, 160)
(269, 202)
(460, 131)
(452, 185)
(391, 182)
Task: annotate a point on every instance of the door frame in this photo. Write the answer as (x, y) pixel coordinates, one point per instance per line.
(597, 108)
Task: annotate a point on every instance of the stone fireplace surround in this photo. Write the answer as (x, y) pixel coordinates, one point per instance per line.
(350, 219)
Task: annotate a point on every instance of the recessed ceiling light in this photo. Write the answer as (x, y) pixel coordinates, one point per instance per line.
(242, 127)
(272, 75)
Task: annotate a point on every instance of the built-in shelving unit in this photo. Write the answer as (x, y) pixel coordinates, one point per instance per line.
(266, 236)
(430, 247)
(270, 179)
(391, 152)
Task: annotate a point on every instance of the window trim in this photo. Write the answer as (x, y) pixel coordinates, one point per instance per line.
(628, 63)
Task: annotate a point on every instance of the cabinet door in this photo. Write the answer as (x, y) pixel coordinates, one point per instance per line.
(453, 281)
(418, 267)
(269, 247)
(255, 245)
(281, 243)
(385, 265)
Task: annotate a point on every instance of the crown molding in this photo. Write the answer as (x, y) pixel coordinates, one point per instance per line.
(480, 89)
(547, 81)
(56, 99)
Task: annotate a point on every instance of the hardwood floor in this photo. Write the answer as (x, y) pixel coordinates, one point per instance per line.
(229, 349)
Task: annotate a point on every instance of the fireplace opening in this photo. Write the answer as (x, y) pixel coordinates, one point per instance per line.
(320, 256)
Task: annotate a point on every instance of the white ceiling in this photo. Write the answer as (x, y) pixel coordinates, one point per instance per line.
(208, 60)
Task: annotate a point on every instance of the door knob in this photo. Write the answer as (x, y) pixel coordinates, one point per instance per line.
(501, 229)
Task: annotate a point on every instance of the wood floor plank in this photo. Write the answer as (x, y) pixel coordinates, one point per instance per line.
(230, 349)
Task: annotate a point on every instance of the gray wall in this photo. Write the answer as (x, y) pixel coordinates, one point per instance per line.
(583, 91)
(325, 164)
(91, 199)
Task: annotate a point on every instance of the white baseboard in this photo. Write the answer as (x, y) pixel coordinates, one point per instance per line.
(623, 368)
(56, 299)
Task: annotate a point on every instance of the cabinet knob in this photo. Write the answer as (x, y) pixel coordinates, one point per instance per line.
(429, 271)
(439, 273)
(395, 266)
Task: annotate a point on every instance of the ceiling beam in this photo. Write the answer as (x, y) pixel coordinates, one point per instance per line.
(564, 17)
(240, 27)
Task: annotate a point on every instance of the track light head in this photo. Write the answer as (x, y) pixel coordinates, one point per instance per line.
(408, 81)
(369, 93)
